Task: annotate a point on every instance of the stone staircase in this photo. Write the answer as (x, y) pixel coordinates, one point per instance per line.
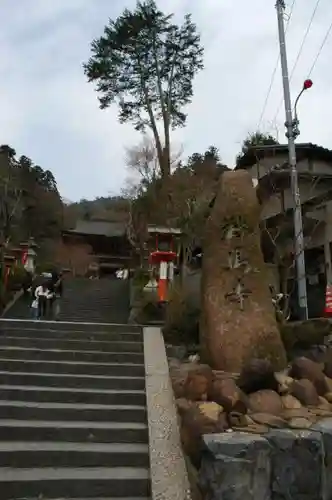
(73, 420)
(102, 301)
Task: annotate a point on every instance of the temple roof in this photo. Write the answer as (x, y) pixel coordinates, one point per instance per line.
(99, 228)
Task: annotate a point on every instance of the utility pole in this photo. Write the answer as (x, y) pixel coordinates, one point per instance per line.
(291, 133)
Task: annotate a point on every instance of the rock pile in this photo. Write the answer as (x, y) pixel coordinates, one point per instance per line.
(255, 401)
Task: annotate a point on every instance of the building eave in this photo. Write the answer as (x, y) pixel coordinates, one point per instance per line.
(303, 151)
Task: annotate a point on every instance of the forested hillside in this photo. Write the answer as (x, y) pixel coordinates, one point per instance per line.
(30, 204)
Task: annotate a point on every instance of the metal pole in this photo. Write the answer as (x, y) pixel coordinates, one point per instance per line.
(298, 225)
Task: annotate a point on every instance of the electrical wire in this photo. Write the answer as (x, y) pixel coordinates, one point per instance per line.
(304, 39)
(274, 70)
(320, 49)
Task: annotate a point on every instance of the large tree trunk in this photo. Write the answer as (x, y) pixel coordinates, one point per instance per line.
(238, 318)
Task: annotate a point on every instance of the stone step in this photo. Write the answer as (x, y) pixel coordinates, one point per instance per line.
(68, 395)
(22, 454)
(76, 482)
(80, 431)
(69, 326)
(80, 498)
(23, 410)
(73, 381)
(70, 334)
(73, 367)
(81, 345)
(10, 352)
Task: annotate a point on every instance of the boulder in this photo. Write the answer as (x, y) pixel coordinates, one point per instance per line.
(203, 421)
(191, 444)
(237, 419)
(324, 404)
(183, 405)
(269, 420)
(290, 413)
(284, 382)
(256, 375)
(328, 397)
(226, 393)
(197, 421)
(304, 368)
(328, 381)
(299, 423)
(328, 368)
(196, 386)
(238, 319)
(320, 412)
(290, 402)
(254, 429)
(305, 391)
(265, 401)
(211, 410)
(179, 375)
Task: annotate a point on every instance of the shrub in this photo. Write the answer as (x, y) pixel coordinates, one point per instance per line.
(16, 278)
(182, 318)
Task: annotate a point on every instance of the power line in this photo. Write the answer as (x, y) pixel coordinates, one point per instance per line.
(320, 49)
(304, 39)
(274, 70)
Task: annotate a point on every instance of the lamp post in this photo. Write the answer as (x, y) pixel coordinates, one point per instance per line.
(292, 131)
(307, 84)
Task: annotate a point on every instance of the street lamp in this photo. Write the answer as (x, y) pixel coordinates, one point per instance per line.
(307, 84)
(292, 131)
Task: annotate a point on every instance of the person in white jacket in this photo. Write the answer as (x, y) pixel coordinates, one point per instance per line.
(41, 295)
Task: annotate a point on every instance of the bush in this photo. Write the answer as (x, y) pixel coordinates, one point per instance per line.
(304, 334)
(182, 319)
(16, 278)
(140, 277)
(5, 297)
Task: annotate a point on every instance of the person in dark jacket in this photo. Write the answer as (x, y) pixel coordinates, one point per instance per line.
(56, 289)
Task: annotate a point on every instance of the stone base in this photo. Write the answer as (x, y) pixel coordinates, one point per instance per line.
(284, 464)
(236, 466)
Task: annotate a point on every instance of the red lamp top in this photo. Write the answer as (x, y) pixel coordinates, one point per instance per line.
(307, 84)
(162, 256)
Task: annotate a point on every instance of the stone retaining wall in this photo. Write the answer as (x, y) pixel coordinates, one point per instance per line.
(284, 464)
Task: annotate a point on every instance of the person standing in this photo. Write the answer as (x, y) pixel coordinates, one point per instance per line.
(57, 290)
(41, 294)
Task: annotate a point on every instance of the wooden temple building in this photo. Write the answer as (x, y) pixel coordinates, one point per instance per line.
(107, 240)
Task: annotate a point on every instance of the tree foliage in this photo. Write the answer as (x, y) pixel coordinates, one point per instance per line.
(143, 167)
(210, 158)
(255, 139)
(10, 194)
(29, 199)
(185, 203)
(146, 64)
(112, 208)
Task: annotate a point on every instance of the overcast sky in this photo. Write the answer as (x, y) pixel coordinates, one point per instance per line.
(50, 113)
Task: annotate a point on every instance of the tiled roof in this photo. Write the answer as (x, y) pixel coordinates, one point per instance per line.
(101, 228)
(303, 150)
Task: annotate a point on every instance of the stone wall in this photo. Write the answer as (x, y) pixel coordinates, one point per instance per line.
(283, 464)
